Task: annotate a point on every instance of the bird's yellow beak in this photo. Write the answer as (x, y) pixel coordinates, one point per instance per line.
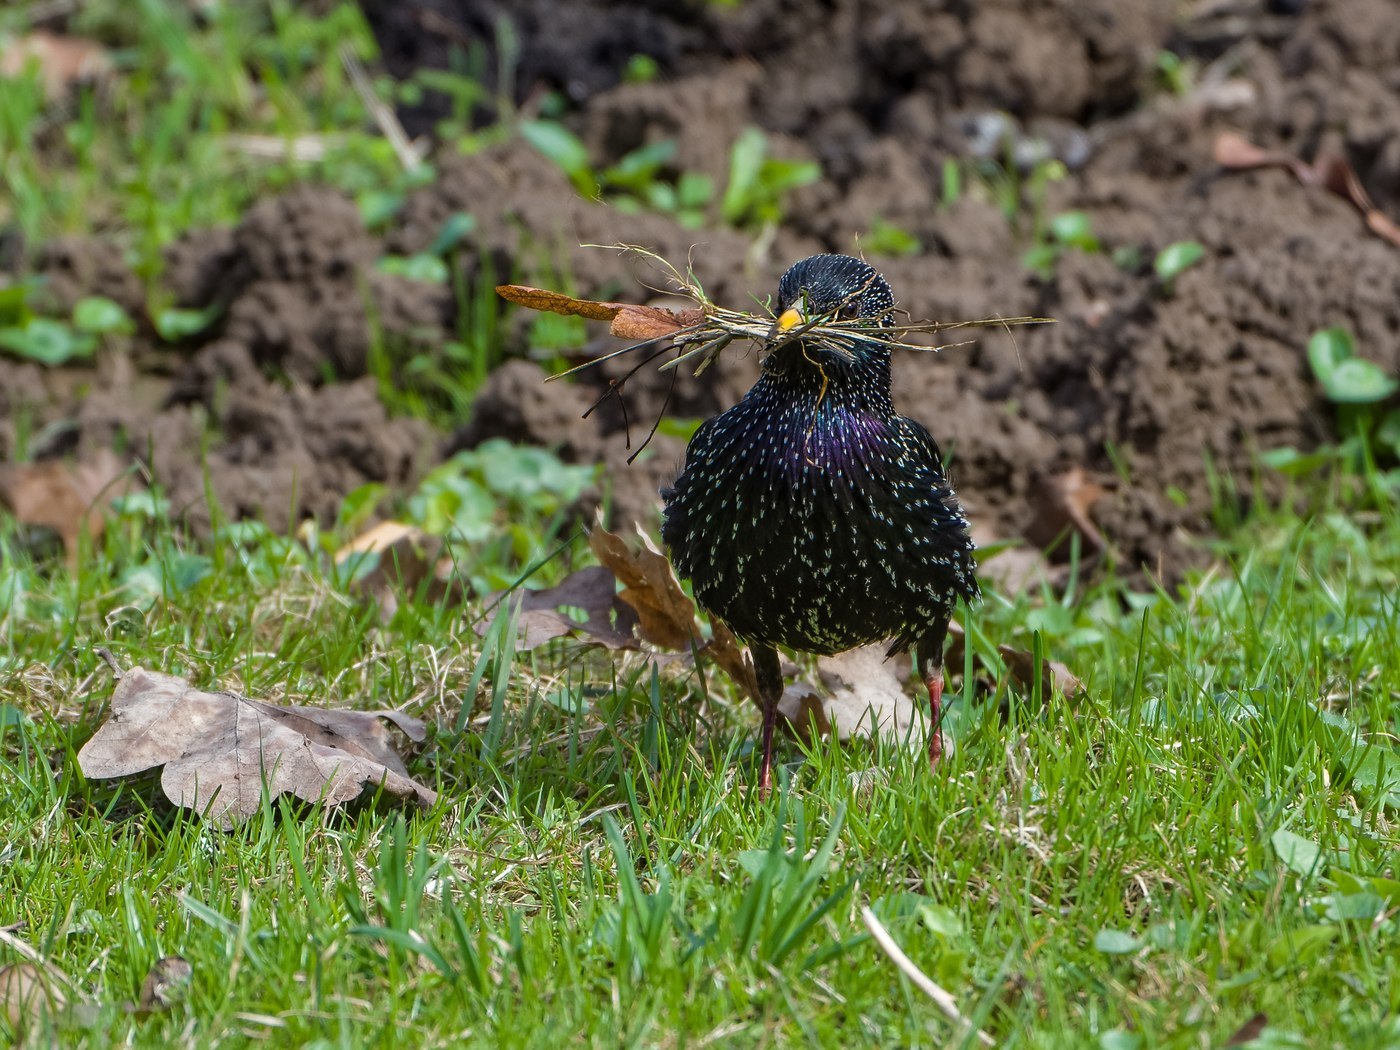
(786, 322)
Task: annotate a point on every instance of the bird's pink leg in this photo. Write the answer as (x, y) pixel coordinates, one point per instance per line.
(933, 681)
(769, 673)
(765, 771)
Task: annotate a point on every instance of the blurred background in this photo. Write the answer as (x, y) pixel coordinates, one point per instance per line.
(268, 232)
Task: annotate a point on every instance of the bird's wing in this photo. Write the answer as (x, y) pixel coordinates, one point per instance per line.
(917, 435)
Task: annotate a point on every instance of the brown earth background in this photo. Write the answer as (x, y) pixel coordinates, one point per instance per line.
(1138, 385)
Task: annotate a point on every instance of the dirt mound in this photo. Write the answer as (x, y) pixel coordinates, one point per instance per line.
(1135, 377)
(1138, 384)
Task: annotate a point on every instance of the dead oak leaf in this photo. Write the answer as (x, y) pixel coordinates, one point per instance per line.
(1020, 664)
(666, 616)
(65, 497)
(1062, 509)
(388, 560)
(1332, 172)
(863, 694)
(62, 61)
(223, 752)
(665, 613)
(544, 614)
(1055, 677)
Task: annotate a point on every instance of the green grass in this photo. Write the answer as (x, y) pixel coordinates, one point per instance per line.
(1203, 834)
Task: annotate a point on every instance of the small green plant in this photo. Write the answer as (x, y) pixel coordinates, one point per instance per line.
(952, 182)
(1356, 387)
(753, 194)
(1175, 259)
(886, 238)
(640, 69)
(566, 149)
(1068, 230)
(758, 183)
(1175, 74)
(501, 503)
(1345, 378)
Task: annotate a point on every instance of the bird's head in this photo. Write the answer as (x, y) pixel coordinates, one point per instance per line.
(835, 307)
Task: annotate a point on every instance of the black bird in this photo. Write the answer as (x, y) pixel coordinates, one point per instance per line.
(812, 515)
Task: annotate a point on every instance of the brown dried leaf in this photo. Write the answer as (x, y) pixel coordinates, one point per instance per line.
(1055, 677)
(733, 658)
(1232, 150)
(1330, 171)
(1062, 507)
(29, 995)
(1249, 1031)
(1382, 225)
(1019, 662)
(63, 61)
(558, 302)
(863, 695)
(66, 497)
(389, 559)
(218, 749)
(665, 614)
(1333, 173)
(165, 985)
(652, 322)
(607, 620)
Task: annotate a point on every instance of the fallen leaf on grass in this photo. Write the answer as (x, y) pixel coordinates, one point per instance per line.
(165, 985)
(62, 61)
(389, 559)
(862, 689)
(1062, 509)
(1332, 172)
(593, 592)
(222, 752)
(1020, 664)
(629, 321)
(29, 996)
(1055, 677)
(665, 613)
(65, 497)
(1249, 1031)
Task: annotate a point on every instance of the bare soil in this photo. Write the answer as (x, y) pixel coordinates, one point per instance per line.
(1137, 384)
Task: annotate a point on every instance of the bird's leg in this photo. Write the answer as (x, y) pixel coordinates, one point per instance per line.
(769, 673)
(928, 652)
(933, 680)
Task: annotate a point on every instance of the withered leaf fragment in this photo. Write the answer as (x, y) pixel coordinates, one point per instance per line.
(665, 613)
(219, 750)
(165, 985)
(67, 498)
(863, 690)
(543, 617)
(628, 320)
(1333, 173)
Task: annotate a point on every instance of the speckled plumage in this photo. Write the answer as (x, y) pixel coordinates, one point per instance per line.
(813, 516)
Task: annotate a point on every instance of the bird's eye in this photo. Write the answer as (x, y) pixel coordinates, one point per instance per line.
(849, 310)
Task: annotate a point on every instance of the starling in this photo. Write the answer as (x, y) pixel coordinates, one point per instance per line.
(812, 515)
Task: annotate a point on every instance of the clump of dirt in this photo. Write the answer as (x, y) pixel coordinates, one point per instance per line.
(75, 267)
(282, 454)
